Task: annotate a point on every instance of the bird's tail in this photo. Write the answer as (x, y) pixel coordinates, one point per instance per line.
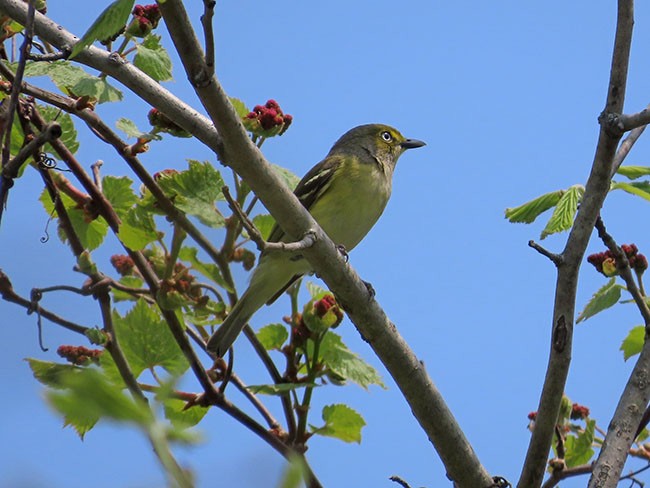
(238, 317)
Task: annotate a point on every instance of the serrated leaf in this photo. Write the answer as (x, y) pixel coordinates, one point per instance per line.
(578, 449)
(147, 341)
(49, 373)
(264, 223)
(240, 107)
(341, 422)
(633, 343)
(209, 270)
(153, 59)
(109, 23)
(336, 356)
(195, 191)
(529, 211)
(633, 172)
(290, 178)
(118, 191)
(91, 233)
(68, 130)
(278, 389)
(273, 336)
(638, 188)
(565, 210)
(73, 80)
(607, 296)
(316, 291)
(128, 127)
(90, 396)
(137, 229)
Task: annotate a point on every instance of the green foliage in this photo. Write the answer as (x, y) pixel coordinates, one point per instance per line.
(153, 59)
(264, 223)
(341, 422)
(578, 449)
(51, 374)
(565, 210)
(606, 297)
(290, 178)
(131, 130)
(179, 416)
(91, 230)
(195, 191)
(68, 131)
(345, 364)
(633, 172)
(634, 341)
(147, 341)
(74, 81)
(273, 336)
(209, 270)
(529, 211)
(109, 23)
(138, 229)
(637, 188)
(279, 389)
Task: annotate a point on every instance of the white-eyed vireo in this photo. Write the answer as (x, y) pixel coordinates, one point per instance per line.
(345, 193)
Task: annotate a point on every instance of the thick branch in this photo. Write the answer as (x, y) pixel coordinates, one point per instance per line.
(565, 294)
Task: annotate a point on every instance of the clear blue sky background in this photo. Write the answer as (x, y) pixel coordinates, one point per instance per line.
(507, 95)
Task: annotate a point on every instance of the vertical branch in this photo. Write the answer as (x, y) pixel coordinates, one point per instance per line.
(567, 279)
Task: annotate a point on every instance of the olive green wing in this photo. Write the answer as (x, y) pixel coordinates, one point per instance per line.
(313, 184)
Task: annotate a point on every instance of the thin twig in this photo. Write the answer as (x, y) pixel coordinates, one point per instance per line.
(206, 22)
(557, 259)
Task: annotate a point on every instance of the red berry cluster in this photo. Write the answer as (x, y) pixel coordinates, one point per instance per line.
(605, 262)
(145, 19)
(579, 412)
(267, 120)
(79, 355)
(123, 264)
(164, 124)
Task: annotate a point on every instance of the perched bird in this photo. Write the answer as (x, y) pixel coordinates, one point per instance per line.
(345, 193)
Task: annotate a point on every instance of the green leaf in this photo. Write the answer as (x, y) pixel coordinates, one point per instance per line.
(118, 191)
(295, 473)
(51, 374)
(209, 270)
(578, 449)
(128, 281)
(69, 133)
(529, 211)
(90, 396)
(273, 336)
(109, 23)
(175, 412)
(91, 233)
(278, 389)
(633, 343)
(74, 81)
(153, 59)
(138, 229)
(603, 299)
(264, 224)
(316, 291)
(634, 172)
(196, 191)
(290, 178)
(565, 210)
(147, 341)
(336, 356)
(638, 188)
(342, 423)
(240, 107)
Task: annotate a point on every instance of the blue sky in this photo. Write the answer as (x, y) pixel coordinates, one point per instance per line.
(507, 96)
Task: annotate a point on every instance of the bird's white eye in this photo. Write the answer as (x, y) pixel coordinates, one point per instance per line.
(386, 136)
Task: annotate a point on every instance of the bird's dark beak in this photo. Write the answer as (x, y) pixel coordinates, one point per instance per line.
(412, 144)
